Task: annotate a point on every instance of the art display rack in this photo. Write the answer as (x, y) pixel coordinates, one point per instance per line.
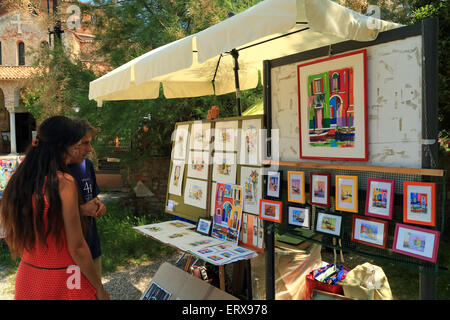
(344, 242)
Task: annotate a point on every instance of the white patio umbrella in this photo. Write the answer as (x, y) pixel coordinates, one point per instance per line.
(203, 64)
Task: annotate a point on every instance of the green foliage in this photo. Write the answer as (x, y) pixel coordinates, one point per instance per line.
(440, 10)
(121, 244)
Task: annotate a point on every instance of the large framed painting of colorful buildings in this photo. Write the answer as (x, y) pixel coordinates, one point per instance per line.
(332, 95)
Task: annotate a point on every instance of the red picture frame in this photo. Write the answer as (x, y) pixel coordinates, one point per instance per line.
(332, 122)
(270, 210)
(326, 177)
(368, 233)
(416, 242)
(419, 203)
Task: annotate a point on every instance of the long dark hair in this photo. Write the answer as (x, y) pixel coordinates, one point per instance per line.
(23, 228)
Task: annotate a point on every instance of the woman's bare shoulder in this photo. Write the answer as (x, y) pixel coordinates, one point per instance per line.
(65, 179)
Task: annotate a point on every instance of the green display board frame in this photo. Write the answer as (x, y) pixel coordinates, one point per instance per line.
(187, 211)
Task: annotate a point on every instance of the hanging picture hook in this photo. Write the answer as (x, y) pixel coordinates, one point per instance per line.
(330, 51)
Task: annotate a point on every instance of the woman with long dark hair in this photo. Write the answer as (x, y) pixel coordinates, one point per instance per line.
(41, 220)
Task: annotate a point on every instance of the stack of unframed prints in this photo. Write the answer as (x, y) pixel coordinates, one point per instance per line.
(181, 234)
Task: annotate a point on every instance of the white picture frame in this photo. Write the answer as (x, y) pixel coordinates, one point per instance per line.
(251, 151)
(180, 135)
(195, 193)
(200, 137)
(176, 177)
(251, 182)
(198, 164)
(226, 135)
(224, 167)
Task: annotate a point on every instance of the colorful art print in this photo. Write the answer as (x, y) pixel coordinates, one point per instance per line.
(370, 231)
(153, 229)
(329, 223)
(177, 235)
(180, 135)
(200, 135)
(319, 189)
(224, 167)
(252, 232)
(206, 251)
(228, 212)
(195, 193)
(274, 181)
(178, 224)
(332, 95)
(380, 198)
(347, 193)
(270, 210)
(200, 243)
(419, 203)
(176, 177)
(296, 186)
(225, 135)
(299, 216)
(156, 292)
(416, 242)
(251, 182)
(251, 147)
(198, 164)
(203, 226)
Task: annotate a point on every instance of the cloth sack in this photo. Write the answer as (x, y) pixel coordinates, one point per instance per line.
(367, 282)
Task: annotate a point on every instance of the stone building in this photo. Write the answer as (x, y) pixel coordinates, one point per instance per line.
(19, 35)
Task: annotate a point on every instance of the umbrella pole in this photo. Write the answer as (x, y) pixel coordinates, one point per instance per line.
(235, 56)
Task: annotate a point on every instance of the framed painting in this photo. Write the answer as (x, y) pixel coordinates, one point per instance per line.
(204, 226)
(380, 198)
(332, 95)
(195, 193)
(319, 194)
(176, 177)
(299, 216)
(416, 242)
(251, 182)
(252, 232)
(180, 137)
(419, 203)
(270, 210)
(198, 164)
(226, 135)
(224, 167)
(369, 231)
(329, 224)
(251, 146)
(296, 186)
(200, 135)
(347, 193)
(273, 184)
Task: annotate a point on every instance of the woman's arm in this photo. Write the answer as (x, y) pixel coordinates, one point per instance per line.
(76, 243)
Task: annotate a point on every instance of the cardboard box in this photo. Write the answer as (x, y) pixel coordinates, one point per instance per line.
(172, 283)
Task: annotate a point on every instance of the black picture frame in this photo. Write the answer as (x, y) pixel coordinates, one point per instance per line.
(292, 217)
(204, 226)
(271, 194)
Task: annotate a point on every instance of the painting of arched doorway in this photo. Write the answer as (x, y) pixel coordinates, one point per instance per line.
(336, 110)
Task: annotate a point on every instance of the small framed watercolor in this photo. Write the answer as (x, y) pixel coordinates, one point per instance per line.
(416, 242)
(273, 184)
(320, 189)
(347, 193)
(379, 198)
(369, 231)
(204, 226)
(329, 223)
(419, 203)
(270, 210)
(299, 216)
(296, 186)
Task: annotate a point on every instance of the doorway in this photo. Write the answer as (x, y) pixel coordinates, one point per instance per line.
(25, 125)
